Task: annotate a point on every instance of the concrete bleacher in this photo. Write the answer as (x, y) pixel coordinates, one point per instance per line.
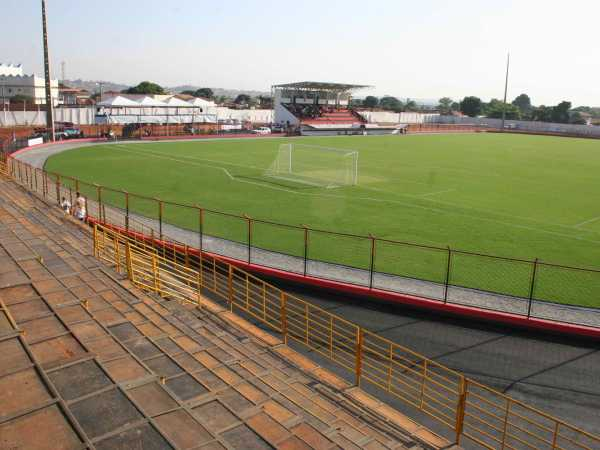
(87, 360)
(337, 117)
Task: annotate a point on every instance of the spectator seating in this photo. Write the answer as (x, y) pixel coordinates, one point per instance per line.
(87, 360)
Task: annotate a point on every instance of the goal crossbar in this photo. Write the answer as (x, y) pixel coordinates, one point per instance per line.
(315, 165)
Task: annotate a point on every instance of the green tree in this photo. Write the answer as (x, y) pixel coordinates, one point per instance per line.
(495, 108)
(204, 93)
(455, 106)
(145, 87)
(242, 99)
(523, 102)
(445, 105)
(370, 101)
(391, 103)
(576, 118)
(542, 113)
(471, 106)
(410, 105)
(560, 113)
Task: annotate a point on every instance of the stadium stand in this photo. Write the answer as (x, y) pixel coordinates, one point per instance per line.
(87, 360)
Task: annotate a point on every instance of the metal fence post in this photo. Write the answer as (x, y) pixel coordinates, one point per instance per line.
(160, 218)
(460, 409)
(99, 200)
(230, 287)
(372, 263)
(128, 260)
(305, 248)
(200, 226)
(95, 240)
(126, 210)
(532, 286)
(447, 281)
(155, 273)
(249, 220)
(58, 189)
(117, 254)
(45, 184)
(284, 327)
(359, 349)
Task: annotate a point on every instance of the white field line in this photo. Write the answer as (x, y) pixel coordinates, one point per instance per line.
(224, 170)
(437, 192)
(416, 196)
(585, 222)
(379, 200)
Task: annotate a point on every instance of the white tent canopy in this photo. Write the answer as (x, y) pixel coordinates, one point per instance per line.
(175, 102)
(201, 102)
(151, 102)
(118, 102)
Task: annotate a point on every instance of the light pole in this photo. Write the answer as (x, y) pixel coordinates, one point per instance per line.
(49, 104)
(505, 91)
(101, 85)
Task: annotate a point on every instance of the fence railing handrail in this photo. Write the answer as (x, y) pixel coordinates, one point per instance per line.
(452, 408)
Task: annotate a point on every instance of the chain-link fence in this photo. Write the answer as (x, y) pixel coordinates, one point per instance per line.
(529, 288)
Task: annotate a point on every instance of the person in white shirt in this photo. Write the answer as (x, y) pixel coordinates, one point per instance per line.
(65, 205)
(80, 207)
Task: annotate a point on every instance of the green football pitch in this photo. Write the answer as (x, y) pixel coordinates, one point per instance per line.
(515, 196)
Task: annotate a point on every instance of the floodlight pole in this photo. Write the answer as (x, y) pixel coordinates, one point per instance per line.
(49, 105)
(505, 91)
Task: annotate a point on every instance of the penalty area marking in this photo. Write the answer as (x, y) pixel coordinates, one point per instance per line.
(585, 222)
(437, 192)
(377, 200)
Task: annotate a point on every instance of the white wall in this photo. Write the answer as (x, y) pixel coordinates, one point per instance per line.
(30, 85)
(79, 116)
(523, 125)
(391, 117)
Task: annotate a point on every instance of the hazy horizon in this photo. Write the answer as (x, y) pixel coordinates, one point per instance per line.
(428, 50)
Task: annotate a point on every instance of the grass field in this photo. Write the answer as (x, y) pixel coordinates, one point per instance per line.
(508, 195)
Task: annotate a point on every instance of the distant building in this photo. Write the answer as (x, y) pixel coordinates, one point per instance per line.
(73, 96)
(13, 82)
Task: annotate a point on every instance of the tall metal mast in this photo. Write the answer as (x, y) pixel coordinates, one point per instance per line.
(49, 105)
(505, 90)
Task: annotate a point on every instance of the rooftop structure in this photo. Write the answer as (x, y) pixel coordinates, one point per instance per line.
(11, 69)
(13, 82)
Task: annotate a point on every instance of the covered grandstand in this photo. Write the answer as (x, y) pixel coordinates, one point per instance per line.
(319, 108)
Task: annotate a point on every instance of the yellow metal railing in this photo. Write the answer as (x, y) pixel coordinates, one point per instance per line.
(470, 410)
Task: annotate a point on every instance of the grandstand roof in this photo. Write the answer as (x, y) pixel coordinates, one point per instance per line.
(322, 86)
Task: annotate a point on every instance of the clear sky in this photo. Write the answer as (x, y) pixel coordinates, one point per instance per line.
(418, 49)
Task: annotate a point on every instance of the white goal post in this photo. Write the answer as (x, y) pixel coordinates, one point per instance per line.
(315, 165)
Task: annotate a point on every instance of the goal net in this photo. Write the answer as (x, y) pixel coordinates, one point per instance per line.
(315, 165)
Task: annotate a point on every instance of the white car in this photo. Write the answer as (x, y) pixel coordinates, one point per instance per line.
(262, 130)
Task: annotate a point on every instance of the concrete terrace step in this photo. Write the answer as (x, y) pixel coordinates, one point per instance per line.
(88, 360)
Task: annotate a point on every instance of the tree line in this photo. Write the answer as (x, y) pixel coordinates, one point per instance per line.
(521, 108)
(245, 100)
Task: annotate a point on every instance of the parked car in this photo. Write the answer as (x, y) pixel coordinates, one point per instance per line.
(262, 130)
(72, 133)
(277, 128)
